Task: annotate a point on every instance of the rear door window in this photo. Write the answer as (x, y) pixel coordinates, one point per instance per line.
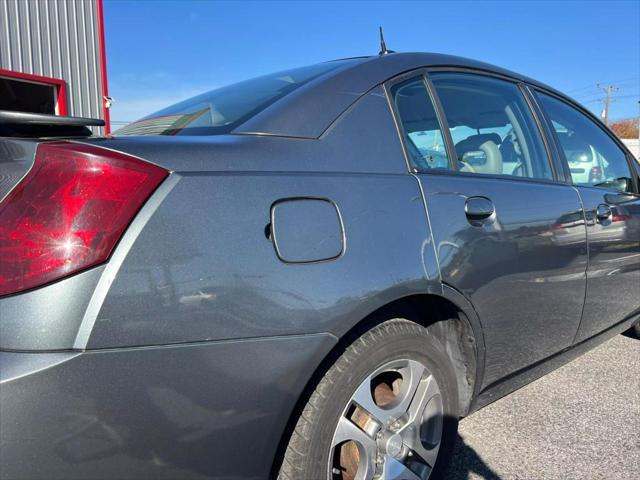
(423, 137)
(593, 157)
(492, 126)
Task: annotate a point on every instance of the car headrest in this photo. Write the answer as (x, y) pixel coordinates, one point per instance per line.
(473, 142)
(487, 143)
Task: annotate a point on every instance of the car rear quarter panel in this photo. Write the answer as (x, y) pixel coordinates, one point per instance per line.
(203, 268)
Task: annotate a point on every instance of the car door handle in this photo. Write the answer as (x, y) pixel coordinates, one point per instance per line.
(603, 212)
(478, 209)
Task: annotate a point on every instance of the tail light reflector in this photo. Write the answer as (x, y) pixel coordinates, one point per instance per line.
(69, 212)
(595, 174)
(620, 218)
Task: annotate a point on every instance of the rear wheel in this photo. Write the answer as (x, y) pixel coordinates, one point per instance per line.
(635, 330)
(386, 409)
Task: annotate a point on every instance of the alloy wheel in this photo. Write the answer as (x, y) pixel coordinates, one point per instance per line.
(391, 427)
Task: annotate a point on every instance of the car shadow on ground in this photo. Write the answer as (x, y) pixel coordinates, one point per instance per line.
(466, 462)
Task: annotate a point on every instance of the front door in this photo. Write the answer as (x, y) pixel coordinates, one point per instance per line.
(507, 236)
(608, 186)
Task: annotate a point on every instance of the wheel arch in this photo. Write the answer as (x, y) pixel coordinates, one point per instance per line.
(459, 330)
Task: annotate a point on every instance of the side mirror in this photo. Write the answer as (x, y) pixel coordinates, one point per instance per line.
(622, 184)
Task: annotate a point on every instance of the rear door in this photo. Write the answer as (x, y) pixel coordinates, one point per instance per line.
(608, 184)
(507, 234)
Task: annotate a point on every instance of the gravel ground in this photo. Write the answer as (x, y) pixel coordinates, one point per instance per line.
(579, 422)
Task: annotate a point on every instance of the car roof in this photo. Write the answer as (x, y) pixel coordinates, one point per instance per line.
(308, 111)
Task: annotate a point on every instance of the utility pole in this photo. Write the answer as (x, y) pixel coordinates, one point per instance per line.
(609, 89)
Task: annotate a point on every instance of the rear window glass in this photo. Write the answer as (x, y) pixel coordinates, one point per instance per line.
(221, 110)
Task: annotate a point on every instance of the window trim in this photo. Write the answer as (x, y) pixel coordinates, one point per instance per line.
(558, 146)
(419, 73)
(562, 169)
(444, 126)
(59, 87)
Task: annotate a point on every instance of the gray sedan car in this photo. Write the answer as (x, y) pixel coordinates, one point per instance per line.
(309, 275)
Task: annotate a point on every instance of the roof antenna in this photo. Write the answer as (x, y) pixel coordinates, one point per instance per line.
(383, 46)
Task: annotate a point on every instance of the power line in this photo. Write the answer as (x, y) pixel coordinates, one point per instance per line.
(594, 85)
(577, 90)
(594, 100)
(633, 95)
(589, 99)
(629, 80)
(591, 93)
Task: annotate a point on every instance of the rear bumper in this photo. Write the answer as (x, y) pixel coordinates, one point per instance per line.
(207, 410)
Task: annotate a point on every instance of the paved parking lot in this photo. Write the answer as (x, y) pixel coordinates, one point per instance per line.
(579, 422)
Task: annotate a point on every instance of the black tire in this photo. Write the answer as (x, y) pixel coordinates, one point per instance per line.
(308, 451)
(634, 331)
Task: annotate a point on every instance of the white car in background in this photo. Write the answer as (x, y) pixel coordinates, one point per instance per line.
(585, 164)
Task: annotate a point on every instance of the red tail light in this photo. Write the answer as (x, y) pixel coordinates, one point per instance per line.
(69, 212)
(620, 218)
(595, 175)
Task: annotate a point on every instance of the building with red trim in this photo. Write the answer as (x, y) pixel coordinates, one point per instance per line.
(52, 58)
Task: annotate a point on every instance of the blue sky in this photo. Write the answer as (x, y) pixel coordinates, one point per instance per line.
(159, 52)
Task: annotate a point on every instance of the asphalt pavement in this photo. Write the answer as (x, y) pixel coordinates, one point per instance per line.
(581, 421)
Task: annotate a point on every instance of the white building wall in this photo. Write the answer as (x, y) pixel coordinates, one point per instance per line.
(633, 144)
